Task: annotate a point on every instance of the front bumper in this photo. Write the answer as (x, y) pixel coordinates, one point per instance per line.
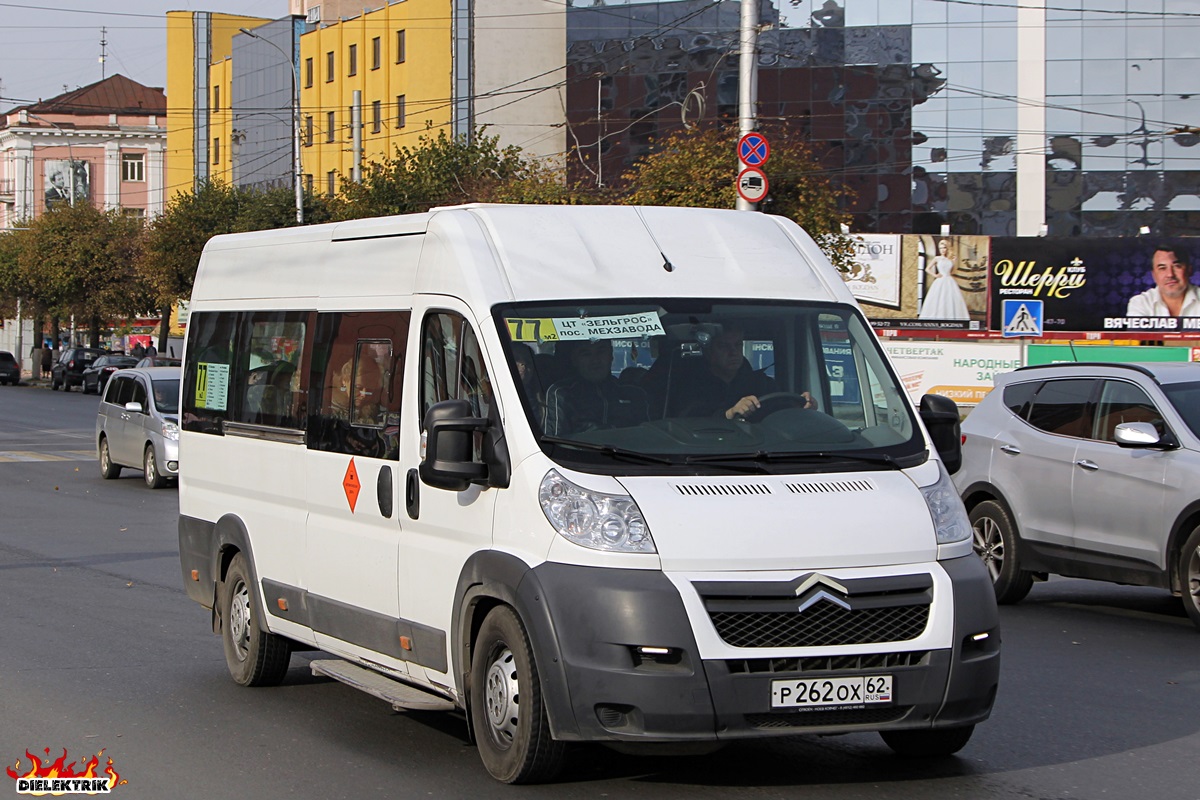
(600, 618)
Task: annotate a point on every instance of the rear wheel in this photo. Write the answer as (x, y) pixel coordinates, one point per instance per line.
(254, 657)
(53, 383)
(996, 543)
(935, 743)
(507, 711)
(1189, 575)
(154, 478)
(83, 387)
(108, 470)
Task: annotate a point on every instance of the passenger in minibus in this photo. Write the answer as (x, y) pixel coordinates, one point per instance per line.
(593, 399)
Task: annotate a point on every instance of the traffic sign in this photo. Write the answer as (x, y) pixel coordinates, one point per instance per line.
(753, 149)
(752, 184)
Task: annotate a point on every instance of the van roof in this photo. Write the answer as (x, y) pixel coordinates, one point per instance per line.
(494, 253)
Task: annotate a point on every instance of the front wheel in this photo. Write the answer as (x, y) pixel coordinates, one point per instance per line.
(1189, 575)
(154, 478)
(53, 384)
(507, 711)
(996, 543)
(935, 743)
(254, 657)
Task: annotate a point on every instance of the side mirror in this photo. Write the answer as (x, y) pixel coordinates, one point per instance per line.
(449, 437)
(1142, 434)
(940, 415)
(135, 408)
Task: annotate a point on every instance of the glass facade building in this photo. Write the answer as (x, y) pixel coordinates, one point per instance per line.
(992, 116)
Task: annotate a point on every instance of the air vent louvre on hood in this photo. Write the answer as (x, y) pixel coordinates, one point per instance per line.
(721, 489)
(830, 487)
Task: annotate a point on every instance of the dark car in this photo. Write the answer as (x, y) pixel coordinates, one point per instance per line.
(10, 370)
(68, 370)
(96, 374)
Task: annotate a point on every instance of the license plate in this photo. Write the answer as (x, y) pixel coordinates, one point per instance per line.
(827, 693)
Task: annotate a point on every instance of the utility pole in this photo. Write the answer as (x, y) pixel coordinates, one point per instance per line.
(747, 82)
(103, 51)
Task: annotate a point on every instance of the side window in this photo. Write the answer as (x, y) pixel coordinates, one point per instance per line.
(137, 393)
(1018, 396)
(210, 349)
(1124, 402)
(452, 364)
(269, 378)
(357, 383)
(122, 392)
(1061, 407)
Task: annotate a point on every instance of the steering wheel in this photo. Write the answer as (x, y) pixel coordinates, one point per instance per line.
(794, 397)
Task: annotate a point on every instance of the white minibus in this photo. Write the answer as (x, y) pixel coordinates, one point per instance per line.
(634, 476)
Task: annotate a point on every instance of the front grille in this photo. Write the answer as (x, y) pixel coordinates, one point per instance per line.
(823, 624)
(816, 719)
(826, 664)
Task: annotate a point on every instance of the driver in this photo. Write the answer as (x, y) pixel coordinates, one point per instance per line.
(728, 384)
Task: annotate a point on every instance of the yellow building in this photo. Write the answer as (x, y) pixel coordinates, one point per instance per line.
(199, 93)
(399, 58)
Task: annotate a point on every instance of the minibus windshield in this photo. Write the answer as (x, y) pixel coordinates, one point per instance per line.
(728, 384)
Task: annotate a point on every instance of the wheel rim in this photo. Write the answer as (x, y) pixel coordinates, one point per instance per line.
(104, 462)
(151, 467)
(501, 697)
(989, 545)
(1193, 577)
(239, 619)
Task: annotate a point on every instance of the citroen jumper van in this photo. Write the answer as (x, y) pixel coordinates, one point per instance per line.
(635, 476)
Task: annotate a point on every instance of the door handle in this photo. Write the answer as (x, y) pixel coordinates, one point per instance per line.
(383, 491)
(412, 494)
(1011, 449)
(1090, 466)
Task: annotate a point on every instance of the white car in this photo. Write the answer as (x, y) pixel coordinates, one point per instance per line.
(1090, 471)
(137, 424)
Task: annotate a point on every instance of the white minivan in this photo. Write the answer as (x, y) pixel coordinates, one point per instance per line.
(635, 476)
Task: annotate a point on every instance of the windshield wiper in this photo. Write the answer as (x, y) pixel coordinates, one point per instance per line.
(609, 450)
(763, 456)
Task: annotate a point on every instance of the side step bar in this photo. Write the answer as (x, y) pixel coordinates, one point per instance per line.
(400, 695)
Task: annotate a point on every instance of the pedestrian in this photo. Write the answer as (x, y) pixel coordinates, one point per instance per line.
(47, 359)
(151, 350)
(138, 351)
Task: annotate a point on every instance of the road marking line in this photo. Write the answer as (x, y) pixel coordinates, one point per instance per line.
(13, 456)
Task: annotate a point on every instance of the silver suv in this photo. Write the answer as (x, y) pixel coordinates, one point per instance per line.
(137, 424)
(1090, 471)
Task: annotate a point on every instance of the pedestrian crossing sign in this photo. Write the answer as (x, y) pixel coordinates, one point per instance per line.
(1023, 317)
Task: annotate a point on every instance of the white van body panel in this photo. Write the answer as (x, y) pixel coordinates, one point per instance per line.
(796, 522)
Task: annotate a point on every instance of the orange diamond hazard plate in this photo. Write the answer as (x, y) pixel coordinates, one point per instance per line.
(351, 485)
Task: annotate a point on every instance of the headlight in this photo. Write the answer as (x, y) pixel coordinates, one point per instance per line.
(170, 431)
(950, 519)
(610, 522)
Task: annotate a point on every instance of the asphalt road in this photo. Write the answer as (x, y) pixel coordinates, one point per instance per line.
(101, 649)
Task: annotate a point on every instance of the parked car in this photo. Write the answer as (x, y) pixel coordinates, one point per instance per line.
(137, 424)
(160, 361)
(1090, 471)
(10, 370)
(96, 374)
(68, 370)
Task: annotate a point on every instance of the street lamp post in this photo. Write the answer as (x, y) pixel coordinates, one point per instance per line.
(296, 166)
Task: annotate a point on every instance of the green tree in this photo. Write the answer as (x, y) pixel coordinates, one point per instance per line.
(445, 170)
(81, 261)
(697, 167)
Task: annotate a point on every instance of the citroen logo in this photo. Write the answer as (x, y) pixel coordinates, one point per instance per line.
(815, 580)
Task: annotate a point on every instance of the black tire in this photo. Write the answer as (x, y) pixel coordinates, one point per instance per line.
(1189, 575)
(108, 468)
(928, 743)
(83, 387)
(53, 384)
(996, 543)
(254, 657)
(150, 472)
(507, 711)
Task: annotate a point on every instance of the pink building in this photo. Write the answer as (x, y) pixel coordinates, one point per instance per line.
(103, 144)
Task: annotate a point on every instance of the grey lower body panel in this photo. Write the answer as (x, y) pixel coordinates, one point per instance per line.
(601, 616)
